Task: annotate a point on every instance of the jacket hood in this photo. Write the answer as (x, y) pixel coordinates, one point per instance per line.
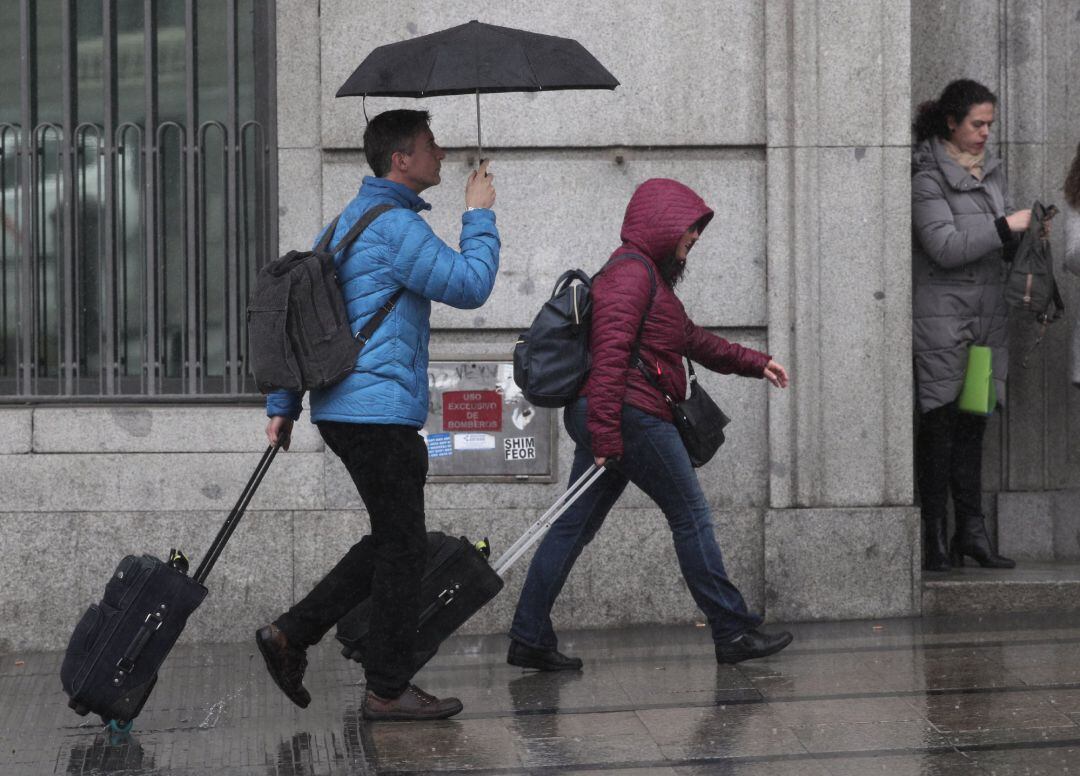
(658, 214)
(930, 154)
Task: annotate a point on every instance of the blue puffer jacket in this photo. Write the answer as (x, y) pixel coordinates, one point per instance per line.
(398, 248)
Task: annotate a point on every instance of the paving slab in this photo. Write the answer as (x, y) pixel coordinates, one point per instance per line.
(898, 697)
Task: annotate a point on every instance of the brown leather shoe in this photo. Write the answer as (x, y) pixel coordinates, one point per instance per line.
(286, 664)
(413, 704)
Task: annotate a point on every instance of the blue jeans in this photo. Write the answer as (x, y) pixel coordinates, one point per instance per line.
(655, 460)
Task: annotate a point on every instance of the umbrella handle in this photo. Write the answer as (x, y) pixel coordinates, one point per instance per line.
(479, 147)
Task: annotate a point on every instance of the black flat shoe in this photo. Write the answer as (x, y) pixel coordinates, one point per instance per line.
(750, 645)
(524, 656)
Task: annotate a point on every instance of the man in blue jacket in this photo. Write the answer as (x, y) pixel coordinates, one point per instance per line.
(371, 419)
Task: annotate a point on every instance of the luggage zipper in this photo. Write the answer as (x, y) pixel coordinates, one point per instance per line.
(442, 600)
(446, 596)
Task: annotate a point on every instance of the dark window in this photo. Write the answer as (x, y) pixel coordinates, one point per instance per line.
(139, 163)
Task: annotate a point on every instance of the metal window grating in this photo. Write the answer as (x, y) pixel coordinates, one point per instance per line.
(139, 186)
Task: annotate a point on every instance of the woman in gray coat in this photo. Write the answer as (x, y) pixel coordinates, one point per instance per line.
(1072, 250)
(962, 223)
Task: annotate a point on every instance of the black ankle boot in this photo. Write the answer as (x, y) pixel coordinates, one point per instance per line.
(971, 539)
(935, 553)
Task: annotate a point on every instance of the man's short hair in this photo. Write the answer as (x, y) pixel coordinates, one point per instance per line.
(389, 132)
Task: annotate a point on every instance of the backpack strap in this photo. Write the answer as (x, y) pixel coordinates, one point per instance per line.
(327, 235)
(365, 333)
(361, 224)
(652, 285)
(635, 350)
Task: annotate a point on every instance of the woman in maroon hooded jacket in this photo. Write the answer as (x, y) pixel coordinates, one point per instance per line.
(620, 415)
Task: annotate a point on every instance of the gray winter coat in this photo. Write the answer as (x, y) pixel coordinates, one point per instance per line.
(1072, 263)
(957, 271)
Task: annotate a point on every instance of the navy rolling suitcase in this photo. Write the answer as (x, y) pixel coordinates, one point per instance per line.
(457, 582)
(114, 654)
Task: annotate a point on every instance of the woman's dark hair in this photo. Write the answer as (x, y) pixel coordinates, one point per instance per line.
(1072, 182)
(671, 270)
(931, 117)
(390, 131)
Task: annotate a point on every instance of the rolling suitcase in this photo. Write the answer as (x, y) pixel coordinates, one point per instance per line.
(112, 659)
(458, 580)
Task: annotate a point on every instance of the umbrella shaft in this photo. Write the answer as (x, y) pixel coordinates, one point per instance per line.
(479, 145)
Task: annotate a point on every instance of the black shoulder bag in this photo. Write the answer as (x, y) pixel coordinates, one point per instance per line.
(699, 421)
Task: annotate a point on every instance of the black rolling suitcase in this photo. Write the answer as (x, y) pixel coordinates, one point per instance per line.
(457, 582)
(112, 659)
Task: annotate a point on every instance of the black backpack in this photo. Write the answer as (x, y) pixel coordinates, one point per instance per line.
(299, 337)
(552, 359)
(1031, 285)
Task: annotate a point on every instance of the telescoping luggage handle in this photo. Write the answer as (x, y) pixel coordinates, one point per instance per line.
(539, 528)
(231, 521)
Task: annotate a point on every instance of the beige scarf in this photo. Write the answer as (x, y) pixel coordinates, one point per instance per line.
(973, 163)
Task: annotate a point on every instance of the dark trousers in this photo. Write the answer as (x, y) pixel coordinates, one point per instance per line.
(948, 452)
(389, 465)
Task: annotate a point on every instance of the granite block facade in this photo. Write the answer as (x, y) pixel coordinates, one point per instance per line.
(791, 118)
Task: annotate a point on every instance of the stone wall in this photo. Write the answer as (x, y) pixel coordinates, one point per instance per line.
(146, 479)
(789, 117)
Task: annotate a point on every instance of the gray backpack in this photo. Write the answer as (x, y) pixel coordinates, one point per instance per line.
(299, 337)
(1030, 285)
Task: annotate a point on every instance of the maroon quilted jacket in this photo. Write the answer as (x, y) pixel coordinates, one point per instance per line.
(658, 214)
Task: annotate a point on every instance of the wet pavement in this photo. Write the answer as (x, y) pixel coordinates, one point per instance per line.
(990, 695)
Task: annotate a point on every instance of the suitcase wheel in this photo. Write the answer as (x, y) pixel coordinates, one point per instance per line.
(119, 725)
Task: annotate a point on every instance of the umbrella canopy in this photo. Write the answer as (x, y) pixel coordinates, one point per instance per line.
(474, 58)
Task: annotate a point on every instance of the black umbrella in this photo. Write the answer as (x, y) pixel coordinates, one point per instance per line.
(474, 58)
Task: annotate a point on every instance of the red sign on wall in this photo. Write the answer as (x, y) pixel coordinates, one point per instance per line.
(472, 411)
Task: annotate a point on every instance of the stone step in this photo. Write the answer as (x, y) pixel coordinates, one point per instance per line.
(1033, 586)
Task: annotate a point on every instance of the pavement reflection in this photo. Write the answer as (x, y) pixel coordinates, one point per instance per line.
(957, 696)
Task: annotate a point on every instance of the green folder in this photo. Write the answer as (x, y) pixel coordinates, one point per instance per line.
(978, 396)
